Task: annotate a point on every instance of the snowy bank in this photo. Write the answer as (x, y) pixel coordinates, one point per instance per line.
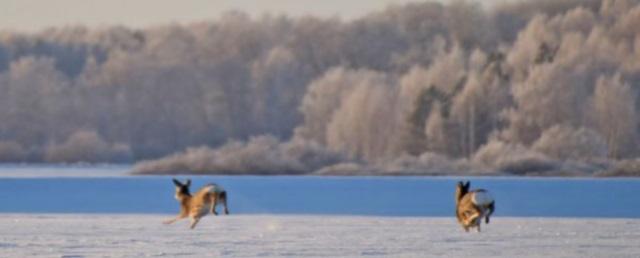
(312, 236)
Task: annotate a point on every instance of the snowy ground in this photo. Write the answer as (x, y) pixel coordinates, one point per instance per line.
(312, 236)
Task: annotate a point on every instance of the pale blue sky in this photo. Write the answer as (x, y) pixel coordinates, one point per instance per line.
(30, 15)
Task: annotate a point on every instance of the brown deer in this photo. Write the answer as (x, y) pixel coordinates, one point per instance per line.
(472, 206)
(198, 205)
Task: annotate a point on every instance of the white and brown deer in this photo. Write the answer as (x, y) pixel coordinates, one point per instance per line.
(473, 206)
(199, 204)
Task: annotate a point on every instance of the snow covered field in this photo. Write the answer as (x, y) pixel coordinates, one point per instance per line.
(38, 235)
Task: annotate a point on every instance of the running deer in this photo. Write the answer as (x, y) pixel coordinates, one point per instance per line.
(473, 206)
(198, 205)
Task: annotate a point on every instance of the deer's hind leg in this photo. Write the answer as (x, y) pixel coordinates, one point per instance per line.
(491, 208)
(194, 221)
(223, 200)
(214, 203)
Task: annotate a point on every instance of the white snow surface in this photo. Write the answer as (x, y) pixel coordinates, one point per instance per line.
(77, 235)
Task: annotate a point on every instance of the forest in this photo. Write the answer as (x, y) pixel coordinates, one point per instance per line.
(547, 88)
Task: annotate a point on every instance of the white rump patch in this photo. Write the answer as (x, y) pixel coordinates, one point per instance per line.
(213, 188)
(481, 198)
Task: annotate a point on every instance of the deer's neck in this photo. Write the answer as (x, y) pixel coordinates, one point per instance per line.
(459, 195)
(185, 202)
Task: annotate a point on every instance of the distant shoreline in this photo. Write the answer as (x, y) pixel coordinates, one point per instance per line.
(114, 169)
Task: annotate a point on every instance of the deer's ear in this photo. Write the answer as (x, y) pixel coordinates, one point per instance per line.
(188, 183)
(176, 182)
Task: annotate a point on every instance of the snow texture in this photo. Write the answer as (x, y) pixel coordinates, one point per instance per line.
(312, 236)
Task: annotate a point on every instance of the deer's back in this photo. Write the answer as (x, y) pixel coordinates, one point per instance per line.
(202, 199)
(473, 202)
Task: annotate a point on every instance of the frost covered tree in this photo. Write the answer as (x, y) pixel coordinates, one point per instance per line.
(458, 81)
(615, 114)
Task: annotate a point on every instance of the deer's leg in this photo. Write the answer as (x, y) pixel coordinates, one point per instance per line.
(214, 202)
(167, 222)
(194, 221)
(223, 199)
(463, 219)
(492, 207)
(471, 216)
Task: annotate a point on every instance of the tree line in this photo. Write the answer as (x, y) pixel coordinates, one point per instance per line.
(523, 87)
